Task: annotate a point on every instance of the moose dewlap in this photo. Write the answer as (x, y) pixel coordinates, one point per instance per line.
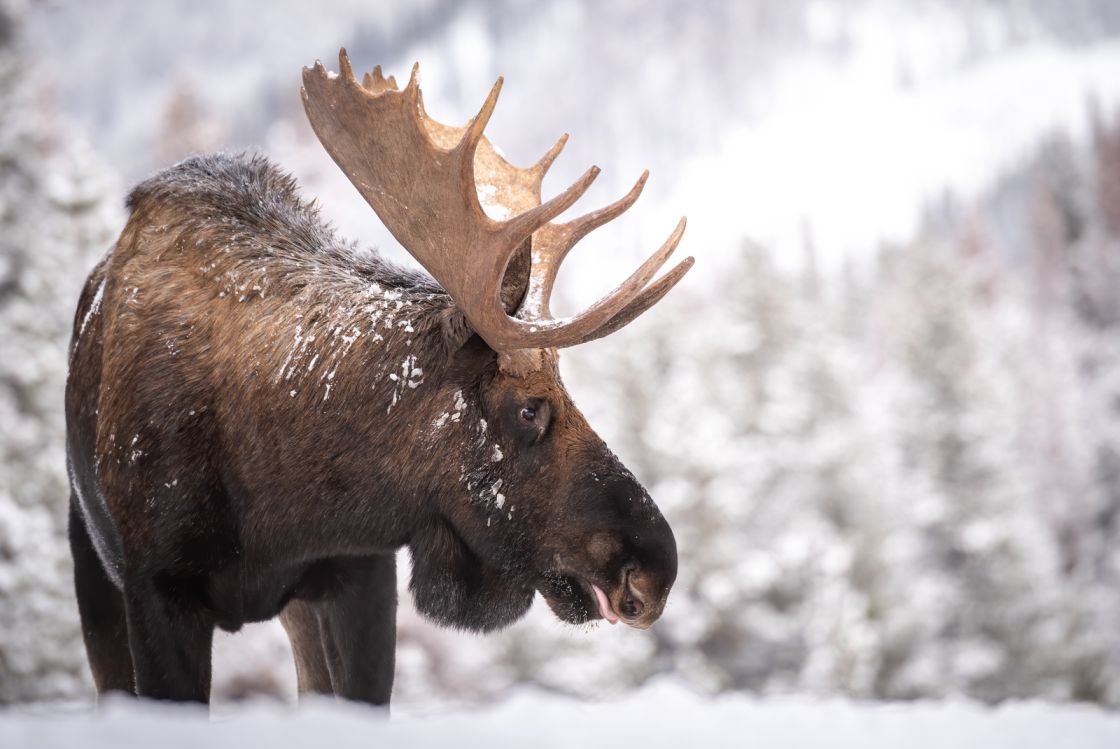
(259, 416)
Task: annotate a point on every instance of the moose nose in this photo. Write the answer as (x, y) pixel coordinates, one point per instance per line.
(630, 605)
(641, 597)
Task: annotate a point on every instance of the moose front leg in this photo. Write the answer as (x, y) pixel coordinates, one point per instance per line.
(345, 642)
(170, 641)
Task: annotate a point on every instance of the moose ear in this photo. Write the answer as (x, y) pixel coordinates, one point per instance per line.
(455, 330)
(467, 354)
(516, 280)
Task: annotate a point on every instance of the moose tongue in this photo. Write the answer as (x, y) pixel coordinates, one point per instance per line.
(604, 605)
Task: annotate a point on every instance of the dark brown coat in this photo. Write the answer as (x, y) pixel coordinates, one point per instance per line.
(259, 415)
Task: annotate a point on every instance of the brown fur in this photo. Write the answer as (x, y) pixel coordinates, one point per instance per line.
(260, 415)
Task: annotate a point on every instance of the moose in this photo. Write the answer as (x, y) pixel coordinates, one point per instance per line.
(259, 414)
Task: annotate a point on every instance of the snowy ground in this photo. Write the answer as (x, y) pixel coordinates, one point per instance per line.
(663, 715)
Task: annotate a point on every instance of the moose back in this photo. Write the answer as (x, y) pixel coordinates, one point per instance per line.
(259, 415)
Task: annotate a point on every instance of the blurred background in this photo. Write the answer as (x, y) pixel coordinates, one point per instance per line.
(882, 414)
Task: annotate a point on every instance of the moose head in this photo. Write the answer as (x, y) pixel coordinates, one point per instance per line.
(598, 546)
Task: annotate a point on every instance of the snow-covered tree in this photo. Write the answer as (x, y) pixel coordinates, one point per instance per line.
(187, 127)
(54, 219)
(986, 567)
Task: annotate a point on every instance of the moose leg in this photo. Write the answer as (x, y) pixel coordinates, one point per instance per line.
(302, 625)
(359, 627)
(101, 608)
(350, 635)
(170, 641)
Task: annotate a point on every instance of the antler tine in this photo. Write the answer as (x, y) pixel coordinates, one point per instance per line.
(520, 227)
(468, 144)
(542, 166)
(473, 133)
(650, 296)
(552, 243)
(589, 222)
(344, 66)
(562, 333)
(637, 281)
(376, 82)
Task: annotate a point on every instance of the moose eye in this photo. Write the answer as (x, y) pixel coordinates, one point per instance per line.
(534, 416)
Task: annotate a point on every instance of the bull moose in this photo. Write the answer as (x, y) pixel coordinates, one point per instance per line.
(259, 415)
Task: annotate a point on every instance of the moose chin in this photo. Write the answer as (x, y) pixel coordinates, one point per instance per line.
(259, 415)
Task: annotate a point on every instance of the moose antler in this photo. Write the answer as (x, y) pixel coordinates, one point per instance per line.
(423, 180)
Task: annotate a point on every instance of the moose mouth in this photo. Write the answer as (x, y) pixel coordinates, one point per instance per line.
(605, 609)
(575, 599)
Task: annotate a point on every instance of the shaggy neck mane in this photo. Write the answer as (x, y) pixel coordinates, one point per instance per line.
(316, 316)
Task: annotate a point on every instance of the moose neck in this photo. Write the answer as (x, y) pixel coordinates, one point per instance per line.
(356, 372)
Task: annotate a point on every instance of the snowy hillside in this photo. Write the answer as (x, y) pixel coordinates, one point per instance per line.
(770, 120)
(660, 716)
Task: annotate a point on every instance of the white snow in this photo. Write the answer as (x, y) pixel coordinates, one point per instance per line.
(660, 715)
(94, 307)
(459, 406)
(488, 199)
